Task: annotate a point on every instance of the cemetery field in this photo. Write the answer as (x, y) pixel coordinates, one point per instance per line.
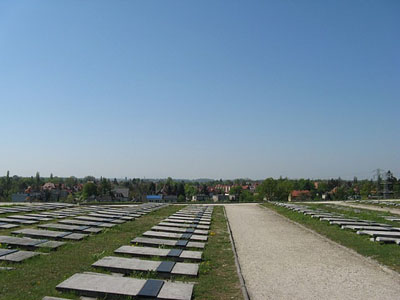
(38, 276)
(386, 254)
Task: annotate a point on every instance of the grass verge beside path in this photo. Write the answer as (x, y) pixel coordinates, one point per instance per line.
(386, 254)
(218, 278)
(38, 277)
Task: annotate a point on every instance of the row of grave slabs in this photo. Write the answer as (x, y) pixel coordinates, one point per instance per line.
(379, 232)
(395, 204)
(63, 211)
(32, 214)
(26, 243)
(173, 248)
(31, 207)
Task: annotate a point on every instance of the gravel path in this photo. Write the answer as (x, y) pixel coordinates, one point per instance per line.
(281, 260)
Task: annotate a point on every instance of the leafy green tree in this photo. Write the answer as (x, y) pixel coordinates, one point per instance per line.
(236, 190)
(366, 188)
(89, 189)
(180, 189)
(7, 186)
(246, 196)
(71, 181)
(37, 181)
(341, 193)
(89, 178)
(104, 187)
(267, 189)
(190, 190)
(282, 189)
(70, 199)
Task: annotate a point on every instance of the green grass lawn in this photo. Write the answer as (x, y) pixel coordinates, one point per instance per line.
(39, 276)
(386, 254)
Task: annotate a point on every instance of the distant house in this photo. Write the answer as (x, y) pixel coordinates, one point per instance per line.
(154, 198)
(161, 198)
(200, 198)
(219, 198)
(299, 195)
(48, 186)
(121, 194)
(20, 197)
(26, 197)
(170, 198)
(223, 188)
(233, 198)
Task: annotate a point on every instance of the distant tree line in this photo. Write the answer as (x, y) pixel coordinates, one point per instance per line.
(239, 189)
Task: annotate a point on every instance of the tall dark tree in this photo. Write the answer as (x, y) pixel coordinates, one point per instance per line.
(37, 181)
(7, 185)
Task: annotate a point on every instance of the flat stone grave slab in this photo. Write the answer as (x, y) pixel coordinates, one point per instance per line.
(191, 216)
(394, 219)
(20, 242)
(180, 230)
(366, 227)
(160, 252)
(171, 235)
(42, 215)
(323, 215)
(340, 223)
(186, 221)
(182, 225)
(50, 245)
(387, 240)
(18, 256)
(87, 223)
(50, 234)
(166, 242)
(112, 217)
(94, 230)
(317, 212)
(129, 265)
(329, 219)
(7, 251)
(18, 221)
(75, 236)
(67, 227)
(114, 212)
(26, 217)
(8, 226)
(192, 212)
(189, 219)
(55, 215)
(54, 298)
(392, 234)
(101, 285)
(94, 219)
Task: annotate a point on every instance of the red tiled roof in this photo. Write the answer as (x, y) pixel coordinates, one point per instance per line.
(297, 193)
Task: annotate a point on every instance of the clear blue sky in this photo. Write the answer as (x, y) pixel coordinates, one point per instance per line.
(191, 89)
